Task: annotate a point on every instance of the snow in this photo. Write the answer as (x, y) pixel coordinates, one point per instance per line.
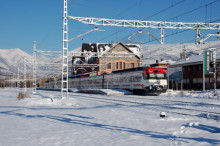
(172, 51)
(46, 119)
(12, 59)
(194, 59)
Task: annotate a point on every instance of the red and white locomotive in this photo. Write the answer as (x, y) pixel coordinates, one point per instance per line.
(141, 80)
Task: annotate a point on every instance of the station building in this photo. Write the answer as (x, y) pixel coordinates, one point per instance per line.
(100, 58)
(188, 74)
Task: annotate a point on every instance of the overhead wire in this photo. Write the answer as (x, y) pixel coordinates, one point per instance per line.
(200, 7)
(178, 32)
(123, 29)
(175, 17)
(171, 6)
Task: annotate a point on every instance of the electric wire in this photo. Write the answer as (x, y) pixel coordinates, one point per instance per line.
(175, 17)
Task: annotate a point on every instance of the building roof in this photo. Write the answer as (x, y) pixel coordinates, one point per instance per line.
(193, 60)
(102, 48)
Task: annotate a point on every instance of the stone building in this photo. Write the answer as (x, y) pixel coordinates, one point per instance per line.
(97, 59)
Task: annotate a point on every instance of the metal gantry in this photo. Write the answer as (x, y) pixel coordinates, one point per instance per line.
(64, 84)
(150, 24)
(146, 24)
(123, 23)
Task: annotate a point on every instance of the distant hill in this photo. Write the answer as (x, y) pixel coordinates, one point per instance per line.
(12, 59)
(155, 52)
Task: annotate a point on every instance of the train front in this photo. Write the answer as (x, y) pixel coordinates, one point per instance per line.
(155, 81)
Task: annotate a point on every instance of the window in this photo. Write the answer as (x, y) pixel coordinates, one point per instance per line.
(184, 80)
(189, 68)
(200, 67)
(207, 80)
(199, 80)
(132, 65)
(109, 66)
(124, 65)
(218, 79)
(187, 80)
(194, 68)
(195, 80)
(113, 66)
(156, 76)
(117, 65)
(212, 80)
(120, 65)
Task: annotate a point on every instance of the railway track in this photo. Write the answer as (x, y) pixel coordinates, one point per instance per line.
(176, 101)
(133, 102)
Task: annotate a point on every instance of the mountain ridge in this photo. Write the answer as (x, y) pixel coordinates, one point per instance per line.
(13, 59)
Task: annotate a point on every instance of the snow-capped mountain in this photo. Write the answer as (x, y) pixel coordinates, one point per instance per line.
(12, 59)
(172, 51)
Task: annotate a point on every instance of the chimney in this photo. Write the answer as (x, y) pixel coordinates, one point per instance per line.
(112, 44)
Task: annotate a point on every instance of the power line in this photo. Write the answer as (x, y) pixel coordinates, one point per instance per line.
(179, 32)
(171, 6)
(123, 29)
(193, 10)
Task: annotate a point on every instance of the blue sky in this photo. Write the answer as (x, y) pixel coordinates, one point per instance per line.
(23, 21)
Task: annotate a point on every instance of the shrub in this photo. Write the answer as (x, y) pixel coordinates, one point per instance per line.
(22, 95)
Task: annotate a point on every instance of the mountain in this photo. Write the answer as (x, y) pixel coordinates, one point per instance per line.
(154, 52)
(12, 59)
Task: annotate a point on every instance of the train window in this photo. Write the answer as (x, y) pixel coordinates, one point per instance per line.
(156, 76)
(144, 75)
(137, 78)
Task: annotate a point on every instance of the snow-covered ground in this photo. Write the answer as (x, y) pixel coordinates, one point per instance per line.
(45, 119)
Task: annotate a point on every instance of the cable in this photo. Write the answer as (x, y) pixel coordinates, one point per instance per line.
(193, 10)
(132, 6)
(172, 5)
(170, 18)
(123, 29)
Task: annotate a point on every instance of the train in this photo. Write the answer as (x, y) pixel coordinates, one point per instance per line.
(141, 80)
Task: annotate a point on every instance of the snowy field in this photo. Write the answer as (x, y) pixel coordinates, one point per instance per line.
(87, 120)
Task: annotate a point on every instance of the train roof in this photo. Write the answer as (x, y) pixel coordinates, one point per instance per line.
(128, 70)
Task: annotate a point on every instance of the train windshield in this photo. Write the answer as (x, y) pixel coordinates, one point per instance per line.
(156, 76)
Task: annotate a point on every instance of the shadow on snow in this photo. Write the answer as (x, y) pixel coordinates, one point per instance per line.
(82, 120)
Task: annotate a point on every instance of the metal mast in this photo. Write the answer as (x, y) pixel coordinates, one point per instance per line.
(25, 77)
(64, 86)
(34, 68)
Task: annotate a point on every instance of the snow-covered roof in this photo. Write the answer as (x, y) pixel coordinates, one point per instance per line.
(102, 48)
(135, 48)
(197, 59)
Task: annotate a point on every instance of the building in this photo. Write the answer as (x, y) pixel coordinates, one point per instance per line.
(188, 74)
(97, 59)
